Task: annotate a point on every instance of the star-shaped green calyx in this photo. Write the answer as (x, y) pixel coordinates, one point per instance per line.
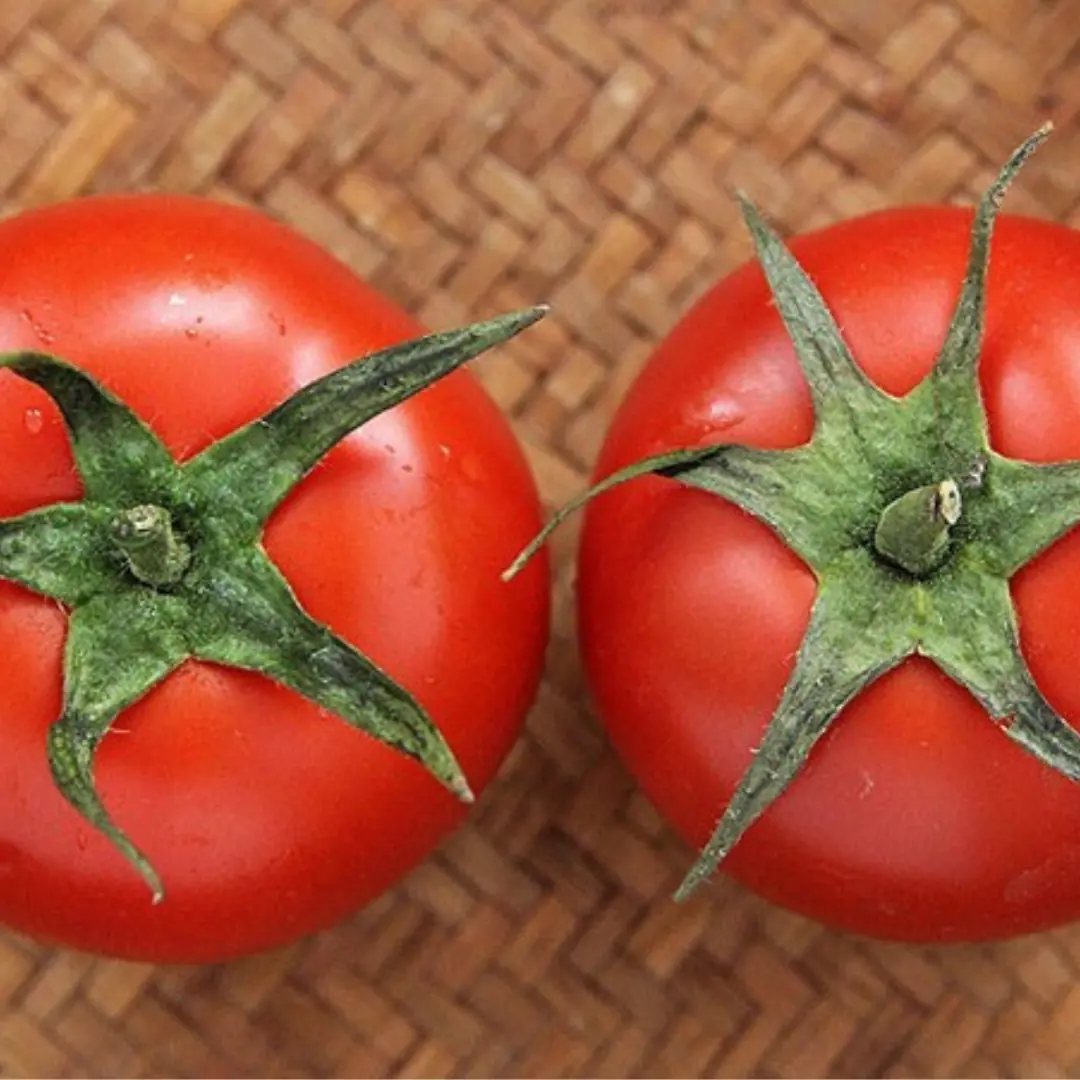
(912, 525)
(161, 562)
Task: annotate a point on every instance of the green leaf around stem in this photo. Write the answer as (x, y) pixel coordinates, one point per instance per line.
(59, 551)
(836, 381)
(1027, 507)
(770, 484)
(850, 642)
(140, 635)
(977, 643)
(120, 460)
(797, 493)
(261, 463)
(960, 419)
(248, 617)
(960, 350)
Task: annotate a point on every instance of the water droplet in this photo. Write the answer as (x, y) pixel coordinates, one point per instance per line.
(444, 450)
(43, 335)
(703, 424)
(723, 413)
(192, 332)
(33, 421)
(472, 468)
(176, 300)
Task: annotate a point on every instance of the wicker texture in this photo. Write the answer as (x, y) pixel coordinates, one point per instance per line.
(469, 156)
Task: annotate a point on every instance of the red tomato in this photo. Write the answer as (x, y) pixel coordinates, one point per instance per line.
(915, 817)
(266, 817)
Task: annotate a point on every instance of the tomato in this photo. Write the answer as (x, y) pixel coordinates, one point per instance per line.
(266, 816)
(914, 817)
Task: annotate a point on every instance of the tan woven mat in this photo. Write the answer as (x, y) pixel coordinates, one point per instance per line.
(469, 156)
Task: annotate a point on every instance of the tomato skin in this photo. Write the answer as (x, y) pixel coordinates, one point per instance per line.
(266, 818)
(915, 819)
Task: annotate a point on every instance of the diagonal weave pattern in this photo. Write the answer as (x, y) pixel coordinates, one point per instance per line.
(469, 156)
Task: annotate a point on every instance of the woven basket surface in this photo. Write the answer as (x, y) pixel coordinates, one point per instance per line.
(469, 156)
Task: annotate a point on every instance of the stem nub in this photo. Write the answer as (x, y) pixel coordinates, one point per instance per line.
(155, 554)
(913, 531)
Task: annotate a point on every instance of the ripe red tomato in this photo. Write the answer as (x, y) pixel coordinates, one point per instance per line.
(266, 817)
(914, 817)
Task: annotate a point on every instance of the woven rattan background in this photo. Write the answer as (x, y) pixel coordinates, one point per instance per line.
(473, 155)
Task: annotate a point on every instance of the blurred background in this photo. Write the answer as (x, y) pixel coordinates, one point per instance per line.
(470, 156)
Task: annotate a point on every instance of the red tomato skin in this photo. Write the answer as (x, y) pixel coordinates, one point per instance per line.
(915, 818)
(266, 818)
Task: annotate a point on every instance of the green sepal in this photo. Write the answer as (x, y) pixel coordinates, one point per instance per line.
(247, 616)
(959, 417)
(162, 562)
(977, 643)
(280, 448)
(773, 485)
(836, 382)
(854, 636)
(1034, 505)
(141, 632)
(120, 460)
(60, 551)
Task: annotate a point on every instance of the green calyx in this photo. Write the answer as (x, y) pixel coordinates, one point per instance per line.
(911, 523)
(162, 562)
